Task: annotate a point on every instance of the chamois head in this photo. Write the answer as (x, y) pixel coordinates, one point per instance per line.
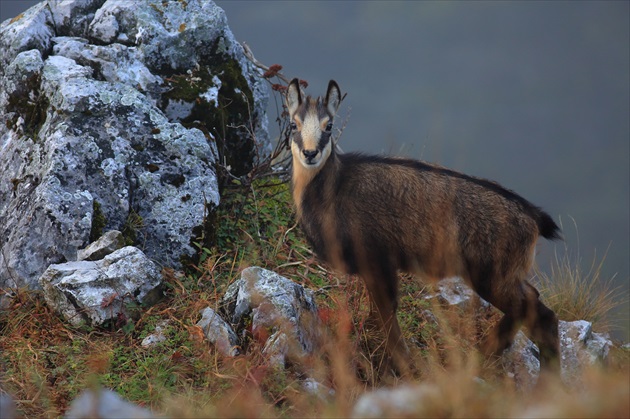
(311, 124)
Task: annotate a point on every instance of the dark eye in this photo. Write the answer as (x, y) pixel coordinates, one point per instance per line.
(293, 126)
(329, 126)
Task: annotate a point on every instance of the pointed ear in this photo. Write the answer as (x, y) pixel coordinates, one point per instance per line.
(294, 96)
(333, 97)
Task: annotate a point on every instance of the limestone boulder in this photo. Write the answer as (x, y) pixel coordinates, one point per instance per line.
(108, 243)
(113, 115)
(282, 314)
(218, 332)
(102, 293)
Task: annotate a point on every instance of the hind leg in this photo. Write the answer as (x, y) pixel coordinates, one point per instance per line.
(510, 300)
(383, 296)
(521, 306)
(542, 324)
(501, 336)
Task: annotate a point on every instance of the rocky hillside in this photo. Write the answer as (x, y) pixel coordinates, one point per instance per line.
(114, 116)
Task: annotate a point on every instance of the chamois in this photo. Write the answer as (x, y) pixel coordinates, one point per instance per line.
(374, 215)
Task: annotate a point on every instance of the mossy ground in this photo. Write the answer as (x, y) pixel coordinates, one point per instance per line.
(44, 363)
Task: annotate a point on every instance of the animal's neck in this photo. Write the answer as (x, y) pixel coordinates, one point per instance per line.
(303, 176)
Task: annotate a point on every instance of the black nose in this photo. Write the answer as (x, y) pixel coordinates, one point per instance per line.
(309, 154)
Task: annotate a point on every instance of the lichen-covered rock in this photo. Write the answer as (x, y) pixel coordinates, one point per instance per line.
(277, 349)
(99, 292)
(106, 244)
(90, 141)
(456, 293)
(281, 311)
(73, 17)
(218, 332)
(580, 347)
(211, 61)
(33, 29)
(521, 362)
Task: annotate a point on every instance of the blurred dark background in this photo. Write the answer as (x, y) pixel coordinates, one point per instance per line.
(534, 95)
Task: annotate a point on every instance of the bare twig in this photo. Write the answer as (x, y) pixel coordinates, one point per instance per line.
(250, 56)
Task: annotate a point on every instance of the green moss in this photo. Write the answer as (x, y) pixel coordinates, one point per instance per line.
(32, 112)
(225, 120)
(98, 222)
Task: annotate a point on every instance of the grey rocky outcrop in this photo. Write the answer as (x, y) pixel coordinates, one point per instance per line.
(521, 362)
(579, 345)
(113, 115)
(580, 348)
(281, 311)
(100, 292)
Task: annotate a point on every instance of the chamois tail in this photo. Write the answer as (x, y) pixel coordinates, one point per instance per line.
(548, 227)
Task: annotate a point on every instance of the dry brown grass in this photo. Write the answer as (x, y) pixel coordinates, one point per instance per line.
(45, 365)
(575, 292)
